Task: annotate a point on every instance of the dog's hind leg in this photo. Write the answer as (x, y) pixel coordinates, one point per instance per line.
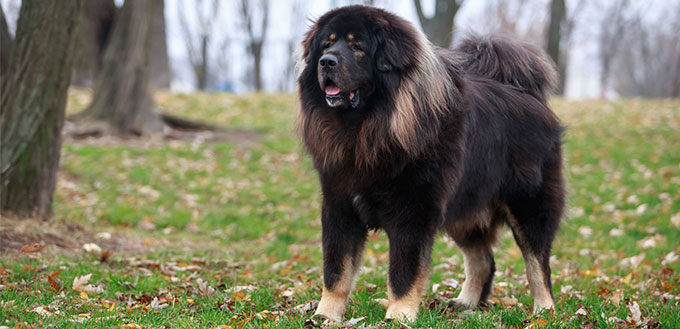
(476, 245)
(343, 237)
(534, 220)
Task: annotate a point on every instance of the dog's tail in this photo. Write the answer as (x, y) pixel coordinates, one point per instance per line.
(512, 62)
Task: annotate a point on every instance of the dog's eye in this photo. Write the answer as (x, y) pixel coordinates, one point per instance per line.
(356, 47)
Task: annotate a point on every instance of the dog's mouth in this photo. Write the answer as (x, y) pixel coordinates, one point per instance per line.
(335, 97)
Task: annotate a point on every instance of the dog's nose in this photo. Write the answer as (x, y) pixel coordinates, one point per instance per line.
(328, 60)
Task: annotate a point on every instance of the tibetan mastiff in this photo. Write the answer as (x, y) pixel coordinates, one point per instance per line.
(413, 139)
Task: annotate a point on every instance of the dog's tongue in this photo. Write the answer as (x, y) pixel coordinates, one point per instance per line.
(332, 90)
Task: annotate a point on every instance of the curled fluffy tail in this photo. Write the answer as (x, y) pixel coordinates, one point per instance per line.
(512, 62)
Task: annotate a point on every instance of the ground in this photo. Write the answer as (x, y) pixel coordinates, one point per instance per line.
(223, 230)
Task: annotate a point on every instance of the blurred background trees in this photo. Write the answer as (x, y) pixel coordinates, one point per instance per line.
(439, 27)
(602, 48)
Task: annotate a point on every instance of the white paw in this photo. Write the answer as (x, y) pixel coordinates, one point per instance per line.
(330, 311)
(398, 311)
(545, 305)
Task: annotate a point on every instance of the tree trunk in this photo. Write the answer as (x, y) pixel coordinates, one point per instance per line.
(439, 28)
(257, 61)
(202, 70)
(6, 43)
(98, 17)
(557, 17)
(255, 42)
(122, 95)
(32, 104)
(160, 69)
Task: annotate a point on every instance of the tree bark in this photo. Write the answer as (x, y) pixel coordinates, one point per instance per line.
(32, 105)
(256, 50)
(439, 28)
(122, 95)
(557, 17)
(202, 69)
(6, 43)
(160, 69)
(98, 17)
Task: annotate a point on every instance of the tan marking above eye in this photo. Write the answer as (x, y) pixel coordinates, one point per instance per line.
(350, 36)
(332, 36)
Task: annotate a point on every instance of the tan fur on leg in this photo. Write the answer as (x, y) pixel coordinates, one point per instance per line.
(406, 307)
(333, 301)
(476, 273)
(542, 297)
(537, 281)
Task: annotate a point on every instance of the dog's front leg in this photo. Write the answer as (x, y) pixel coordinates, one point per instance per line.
(410, 251)
(343, 236)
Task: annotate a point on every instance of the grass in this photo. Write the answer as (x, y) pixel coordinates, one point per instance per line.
(219, 234)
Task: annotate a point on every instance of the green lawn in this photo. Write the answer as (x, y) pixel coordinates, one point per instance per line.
(226, 234)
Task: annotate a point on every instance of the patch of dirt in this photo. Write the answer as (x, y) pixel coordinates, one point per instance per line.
(100, 134)
(59, 237)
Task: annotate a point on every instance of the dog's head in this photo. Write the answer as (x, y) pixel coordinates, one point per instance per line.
(354, 52)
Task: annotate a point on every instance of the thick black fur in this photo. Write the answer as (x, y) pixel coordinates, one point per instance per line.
(495, 146)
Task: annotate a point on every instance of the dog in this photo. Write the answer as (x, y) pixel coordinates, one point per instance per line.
(413, 139)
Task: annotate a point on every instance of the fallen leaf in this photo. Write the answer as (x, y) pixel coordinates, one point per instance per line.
(382, 301)
(675, 220)
(80, 281)
(617, 296)
(453, 283)
(670, 258)
(104, 257)
(353, 322)
(156, 305)
(582, 312)
(32, 247)
(42, 310)
(636, 315)
(585, 231)
(306, 307)
(508, 301)
(536, 324)
(92, 248)
(616, 232)
(53, 282)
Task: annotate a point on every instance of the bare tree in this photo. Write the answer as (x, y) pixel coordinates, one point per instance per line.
(649, 65)
(558, 14)
(614, 23)
(560, 31)
(506, 16)
(122, 95)
(32, 105)
(256, 40)
(198, 46)
(439, 27)
(297, 25)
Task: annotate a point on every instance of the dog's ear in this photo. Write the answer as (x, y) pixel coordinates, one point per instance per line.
(396, 44)
(308, 44)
